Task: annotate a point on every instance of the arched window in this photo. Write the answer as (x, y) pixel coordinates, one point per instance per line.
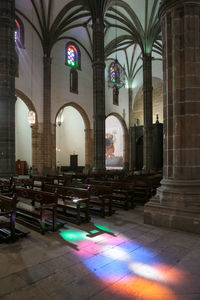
(72, 55)
(19, 33)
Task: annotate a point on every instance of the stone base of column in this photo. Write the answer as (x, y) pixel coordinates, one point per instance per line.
(176, 205)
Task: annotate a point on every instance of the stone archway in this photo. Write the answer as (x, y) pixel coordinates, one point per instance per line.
(27, 101)
(125, 139)
(88, 133)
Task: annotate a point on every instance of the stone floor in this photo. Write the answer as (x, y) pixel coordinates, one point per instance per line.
(113, 258)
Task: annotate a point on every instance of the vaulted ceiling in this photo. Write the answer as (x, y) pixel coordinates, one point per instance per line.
(131, 26)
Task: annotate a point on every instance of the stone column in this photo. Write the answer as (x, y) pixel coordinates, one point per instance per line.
(130, 101)
(88, 149)
(49, 149)
(147, 103)
(177, 203)
(37, 149)
(126, 151)
(7, 88)
(99, 95)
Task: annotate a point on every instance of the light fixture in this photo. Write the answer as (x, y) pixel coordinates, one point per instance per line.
(31, 118)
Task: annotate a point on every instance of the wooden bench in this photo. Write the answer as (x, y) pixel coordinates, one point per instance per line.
(106, 194)
(8, 214)
(37, 209)
(144, 190)
(100, 198)
(23, 182)
(123, 194)
(40, 181)
(5, 185)
(73, 202)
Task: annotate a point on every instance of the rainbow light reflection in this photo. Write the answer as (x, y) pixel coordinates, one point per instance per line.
(126, 267)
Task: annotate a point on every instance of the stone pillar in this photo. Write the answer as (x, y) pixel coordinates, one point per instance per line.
(177, 203)
(99, 95)
(37, 149)
(147, 101)
(130, 102)
(126, 151)
(49, 139)
(7, 88)
(88, 149)
(131, 150)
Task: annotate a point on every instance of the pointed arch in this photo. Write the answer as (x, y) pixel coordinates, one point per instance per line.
(27, 101)
(88, 132)
(125, 138)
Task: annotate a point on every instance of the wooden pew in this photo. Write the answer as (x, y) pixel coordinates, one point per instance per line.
(40, 181)
(100, 198)
(23, 182)
(144, 189)
(106, 194)
(73, 202)
(37, 208)
(8, 214)
(5, 185)
(123, 194)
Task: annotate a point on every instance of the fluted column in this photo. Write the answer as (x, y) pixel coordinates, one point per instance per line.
(7, 88)
(177, 203)
(147, 101)
(99, 95)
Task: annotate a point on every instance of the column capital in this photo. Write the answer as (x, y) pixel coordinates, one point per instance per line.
(170, 4)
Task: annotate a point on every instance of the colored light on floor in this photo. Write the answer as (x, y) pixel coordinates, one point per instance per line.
(146, 271)
(140, 288)
(172, 274)
(94, 231)
(130, 269)
(112, 272)
(103, 227)
(71, 235)
(115, 253)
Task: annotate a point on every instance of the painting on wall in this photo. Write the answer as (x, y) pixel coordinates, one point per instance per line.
(114, 147)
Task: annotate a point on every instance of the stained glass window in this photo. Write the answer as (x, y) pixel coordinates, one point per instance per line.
(72, 56)
(19, 33)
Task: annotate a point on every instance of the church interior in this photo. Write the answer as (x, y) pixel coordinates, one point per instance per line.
(100, 149)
